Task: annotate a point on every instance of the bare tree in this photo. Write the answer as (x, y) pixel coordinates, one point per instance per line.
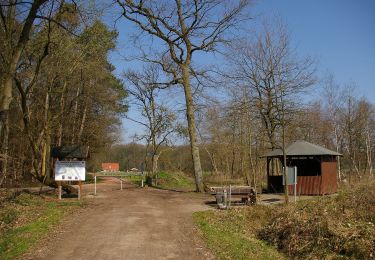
(275, 77)
(159, 120)
(184, 28)
(333, 99)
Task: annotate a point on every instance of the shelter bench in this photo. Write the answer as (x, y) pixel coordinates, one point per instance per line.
(225, 194)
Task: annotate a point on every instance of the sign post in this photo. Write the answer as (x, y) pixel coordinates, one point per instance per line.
(95, 185)
(59, 189)
(295, 184)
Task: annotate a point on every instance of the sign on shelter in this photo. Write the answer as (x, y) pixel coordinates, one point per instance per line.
(291, 173)
(70, 170)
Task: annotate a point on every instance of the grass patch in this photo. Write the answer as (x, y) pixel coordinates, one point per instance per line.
(26, 219)
(175, 181)
(225, 235)
(211, 179)
(135, 179)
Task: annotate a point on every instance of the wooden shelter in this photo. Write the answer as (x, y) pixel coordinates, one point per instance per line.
(316, 168)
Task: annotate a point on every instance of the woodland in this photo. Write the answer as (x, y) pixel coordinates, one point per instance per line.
(58, 87)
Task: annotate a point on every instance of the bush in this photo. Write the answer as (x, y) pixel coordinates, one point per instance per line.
(9, 216)
(326, 227)
(175, 181)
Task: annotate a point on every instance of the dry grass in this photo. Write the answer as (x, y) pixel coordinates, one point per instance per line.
(331, 227)
(326, 227)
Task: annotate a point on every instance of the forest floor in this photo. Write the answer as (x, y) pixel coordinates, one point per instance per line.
(133, 223)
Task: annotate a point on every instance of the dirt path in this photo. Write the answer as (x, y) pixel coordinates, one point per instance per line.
(133, 223)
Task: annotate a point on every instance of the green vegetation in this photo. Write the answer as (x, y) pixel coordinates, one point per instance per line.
(211, 179)
(26, 219)
(90, 179)
(135, 179)
(339, 226)
(175, 181)
(231, 234)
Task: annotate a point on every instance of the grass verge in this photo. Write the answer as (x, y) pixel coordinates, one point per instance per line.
(226, 236)
(175, 181)
(26, 219)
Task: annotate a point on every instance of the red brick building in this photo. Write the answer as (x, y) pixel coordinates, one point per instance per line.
(110, 167)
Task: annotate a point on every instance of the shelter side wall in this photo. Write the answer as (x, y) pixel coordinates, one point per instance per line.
(329, 177)
(307, 185)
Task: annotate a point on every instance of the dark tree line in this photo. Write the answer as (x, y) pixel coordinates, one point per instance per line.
(62, 89)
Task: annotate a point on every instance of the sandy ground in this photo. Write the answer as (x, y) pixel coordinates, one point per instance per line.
(134, 223)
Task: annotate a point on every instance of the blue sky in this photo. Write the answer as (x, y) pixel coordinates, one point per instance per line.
(339, 34)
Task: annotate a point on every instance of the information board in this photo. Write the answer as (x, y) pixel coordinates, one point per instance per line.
(70, 170)
(291, 173)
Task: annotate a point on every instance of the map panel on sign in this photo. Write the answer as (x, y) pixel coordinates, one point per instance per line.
(70, 171)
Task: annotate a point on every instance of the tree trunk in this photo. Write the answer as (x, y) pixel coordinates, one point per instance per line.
(82, 125)
(368, 151)
(6, 87)
(286, 185)
(251, 161)
(47, 140)
(62, 108)
(4, 151)
(338, 157)
(75, 115)
(191, 127)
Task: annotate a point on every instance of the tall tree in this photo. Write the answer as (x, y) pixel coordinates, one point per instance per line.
(16, 34)
(65, 89)
(275, 76)
(183, 28)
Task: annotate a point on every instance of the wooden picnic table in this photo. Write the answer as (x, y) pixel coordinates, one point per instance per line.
(224, 194)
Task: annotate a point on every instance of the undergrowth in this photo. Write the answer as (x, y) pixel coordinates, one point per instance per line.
(341, 226)
(175, 181)
(231, 234)
(27, 218)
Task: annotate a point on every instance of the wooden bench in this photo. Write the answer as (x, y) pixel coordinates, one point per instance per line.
(225, 194)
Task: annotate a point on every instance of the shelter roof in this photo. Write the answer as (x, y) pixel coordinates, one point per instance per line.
(302, 148)
(70, 152)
